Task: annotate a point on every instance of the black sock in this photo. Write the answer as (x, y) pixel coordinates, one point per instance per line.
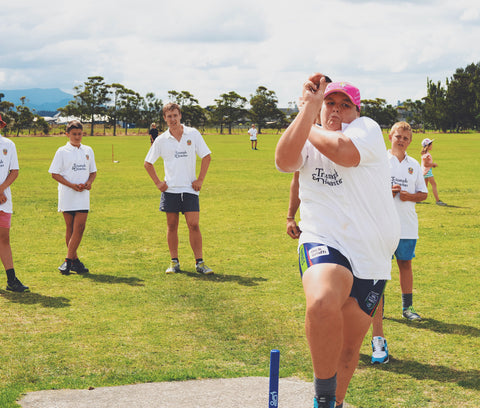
(327, 387)
(175, 260)
(10, 275)
(69, 262)
(407, 300)
(197, 261)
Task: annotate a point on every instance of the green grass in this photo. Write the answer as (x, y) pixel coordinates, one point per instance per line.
(128, 322)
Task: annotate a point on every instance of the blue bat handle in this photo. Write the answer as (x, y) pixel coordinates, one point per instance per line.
(274, 374)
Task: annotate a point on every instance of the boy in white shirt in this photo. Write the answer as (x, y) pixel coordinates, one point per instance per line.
(253, 136)
(179, 147)
(74, 168)
(8, 174)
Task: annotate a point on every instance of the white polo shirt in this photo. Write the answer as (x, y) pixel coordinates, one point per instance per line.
(179, 158)
(253, 133)
(409, 175)
(351, 208)
(75, 165)
(8, 162)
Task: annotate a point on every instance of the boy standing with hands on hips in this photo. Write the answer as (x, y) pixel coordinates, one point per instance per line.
(74, 168)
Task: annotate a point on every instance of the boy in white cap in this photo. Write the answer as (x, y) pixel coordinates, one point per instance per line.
(8, 174)
(348, 234)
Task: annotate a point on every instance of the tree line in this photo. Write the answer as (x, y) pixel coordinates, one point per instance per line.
(454, 106)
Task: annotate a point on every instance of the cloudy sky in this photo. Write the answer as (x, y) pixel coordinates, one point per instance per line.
(388, 48)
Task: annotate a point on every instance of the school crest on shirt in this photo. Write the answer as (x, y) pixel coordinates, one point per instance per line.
(5, 151)
(410, 170)
(87, 156)
(189, 142)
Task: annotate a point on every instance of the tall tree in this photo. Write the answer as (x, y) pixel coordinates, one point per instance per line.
(436, 112)
(264, 107)
(378, 109)
(152, 110)
(229, 109)
(192, 113)
(116, 90)
(93, 97)
(129, 107)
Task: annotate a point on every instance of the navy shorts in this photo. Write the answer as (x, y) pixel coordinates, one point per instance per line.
(367, 292)
(73, 213)
(181, 202)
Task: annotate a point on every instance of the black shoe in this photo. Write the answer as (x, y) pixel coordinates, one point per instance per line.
(17, 286)
(78, 267)
(64, 268)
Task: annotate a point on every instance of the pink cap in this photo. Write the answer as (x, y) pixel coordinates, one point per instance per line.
(345, 88)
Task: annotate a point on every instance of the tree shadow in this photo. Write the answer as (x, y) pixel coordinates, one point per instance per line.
(446, 205)
(32, 298)
(241, 280)
(439, 327)
(463, 378)
(132, 281)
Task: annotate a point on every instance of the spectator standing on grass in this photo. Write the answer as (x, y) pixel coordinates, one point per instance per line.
(179, 146)
(73, 167)
(253, 136)
(427, 165)
(408, 188)
(153, 132)
(8, 174)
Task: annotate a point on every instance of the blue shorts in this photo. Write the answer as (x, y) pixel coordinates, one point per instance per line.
(181, 202)
(406, 249)
(429, 174)
(367, 292)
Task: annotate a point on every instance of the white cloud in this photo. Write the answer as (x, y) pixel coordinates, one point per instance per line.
(387, 48)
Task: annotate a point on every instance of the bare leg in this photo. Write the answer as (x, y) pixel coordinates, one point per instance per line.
(172, 234)
(377, 323)
(193, 222)
(434, 187)
(327, 288)
(79, 222)
(356, 325)
(5, 249)
(406, 276)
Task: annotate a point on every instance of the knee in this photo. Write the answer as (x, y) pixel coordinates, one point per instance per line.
(194, 227)
(322, 306)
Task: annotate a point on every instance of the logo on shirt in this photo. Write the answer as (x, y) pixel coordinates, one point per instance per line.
(179, 155)
(87, 156)
(410, 170)
(189, 142)
(402, 182)
(5, 151)
(79, 167)
(330, 179)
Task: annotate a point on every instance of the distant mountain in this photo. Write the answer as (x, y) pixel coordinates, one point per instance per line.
(42, 100)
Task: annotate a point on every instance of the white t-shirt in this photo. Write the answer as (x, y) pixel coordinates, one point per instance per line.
(74, 164)
(253, 133)
(8, 162)
(179, 158)
(409, 175)
(351, 208)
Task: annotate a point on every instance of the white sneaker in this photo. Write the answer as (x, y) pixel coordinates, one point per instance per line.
(379, 350)
(203, 269)
(173, 268)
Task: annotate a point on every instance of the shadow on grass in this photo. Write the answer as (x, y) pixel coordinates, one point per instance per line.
(132, 281)
(241, 280)
(446, 205)
(466, 379)
(439, 327)
(31, 298)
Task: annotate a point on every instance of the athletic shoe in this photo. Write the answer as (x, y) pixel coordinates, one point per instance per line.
(78, 267)
(173, 268)
(410, 314)
(324, 402)
(17, 286)
(203, 269)
(440, 202)
(379, 350)
(64, 269)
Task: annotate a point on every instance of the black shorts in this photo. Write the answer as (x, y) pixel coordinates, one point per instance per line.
(72, 213)
(181, 202)
(367, 292)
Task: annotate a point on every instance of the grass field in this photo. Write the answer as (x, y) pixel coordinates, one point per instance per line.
(127, 322)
